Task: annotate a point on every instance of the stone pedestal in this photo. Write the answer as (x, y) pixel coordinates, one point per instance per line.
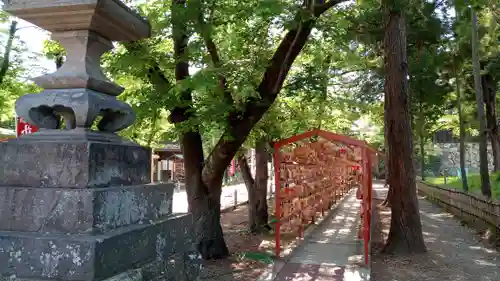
(77, 204)
(84, 211)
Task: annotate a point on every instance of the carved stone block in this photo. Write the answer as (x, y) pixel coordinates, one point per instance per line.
(73, 164)
(92, 257)
(78, 211)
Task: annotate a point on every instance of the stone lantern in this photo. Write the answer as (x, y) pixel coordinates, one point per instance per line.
(78, 204)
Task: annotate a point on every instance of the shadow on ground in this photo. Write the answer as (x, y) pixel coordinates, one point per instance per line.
(455, 252)
(246, 249)
(234, 224)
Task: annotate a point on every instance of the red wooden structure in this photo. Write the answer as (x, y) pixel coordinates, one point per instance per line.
(315, 169)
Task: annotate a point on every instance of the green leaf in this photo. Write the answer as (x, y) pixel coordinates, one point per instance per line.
(258, 256)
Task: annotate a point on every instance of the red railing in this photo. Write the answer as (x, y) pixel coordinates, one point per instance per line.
(312, 176)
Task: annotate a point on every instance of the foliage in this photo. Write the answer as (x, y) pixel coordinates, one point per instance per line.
(332, 84)
(10, 90)
(15, 82)
(150, 106)
(489, 52)
(53, 49)
(307, 101)
(245, 34)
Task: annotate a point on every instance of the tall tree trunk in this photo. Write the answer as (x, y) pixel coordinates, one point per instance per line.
(421, 137)
(463, 173)
(387, 201)
(258, 205)
(203, 196)
(8, 49)
(489, 93)
(203, 200)
(483, 153)
(257, 189)
(462, 151)
(405, 235)
(422, 156)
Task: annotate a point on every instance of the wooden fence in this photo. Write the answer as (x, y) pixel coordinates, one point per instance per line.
(462, 204)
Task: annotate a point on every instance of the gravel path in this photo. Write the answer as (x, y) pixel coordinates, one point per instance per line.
(455, 252)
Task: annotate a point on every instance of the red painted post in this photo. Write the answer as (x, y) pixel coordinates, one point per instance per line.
(277, 199)
(367, 202)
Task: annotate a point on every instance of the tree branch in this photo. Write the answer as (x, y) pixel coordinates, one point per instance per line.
(180, 38)
(191, 141)
(213, 52)
(245, 171)
(154, 74)
(320, 9)
(240, 124)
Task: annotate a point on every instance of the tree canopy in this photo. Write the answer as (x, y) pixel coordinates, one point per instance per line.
(218, 76)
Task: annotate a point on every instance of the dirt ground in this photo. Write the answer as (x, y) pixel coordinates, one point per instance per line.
(239, 241)
(455, 252)
(234, 225)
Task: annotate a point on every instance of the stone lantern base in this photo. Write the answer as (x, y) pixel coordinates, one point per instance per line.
(84, 211)
(78, 205)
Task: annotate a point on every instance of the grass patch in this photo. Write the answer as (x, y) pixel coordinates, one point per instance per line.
(473, 180)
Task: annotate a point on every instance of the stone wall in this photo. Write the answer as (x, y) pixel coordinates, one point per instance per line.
(448, 155)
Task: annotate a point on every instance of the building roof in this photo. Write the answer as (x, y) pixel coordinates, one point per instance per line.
(179, 156)
(169, 146)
